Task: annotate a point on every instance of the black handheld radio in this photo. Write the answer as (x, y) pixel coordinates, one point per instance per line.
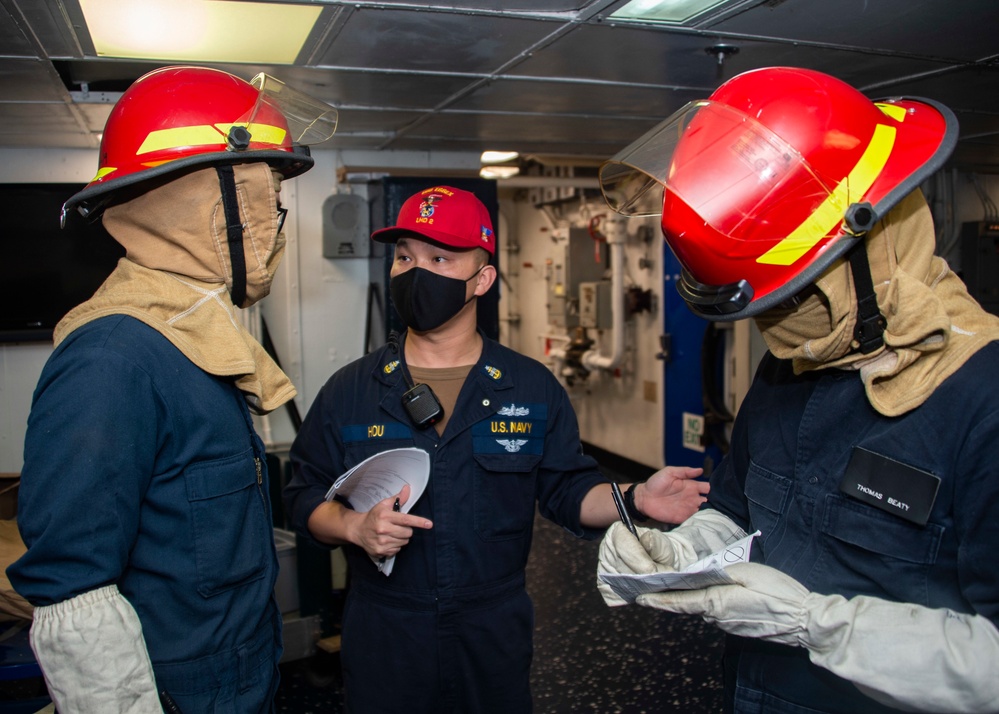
(419, 401)
(422, 405)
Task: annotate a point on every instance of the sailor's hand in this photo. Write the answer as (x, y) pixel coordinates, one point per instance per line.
(671, 495)
(384, 530)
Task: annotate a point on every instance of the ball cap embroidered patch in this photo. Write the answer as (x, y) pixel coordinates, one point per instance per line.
(445, 215)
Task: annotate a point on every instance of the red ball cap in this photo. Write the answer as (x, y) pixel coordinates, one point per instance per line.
(445, 215)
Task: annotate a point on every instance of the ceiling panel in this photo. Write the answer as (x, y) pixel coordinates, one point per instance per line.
(13, 40)
(431, 41)
(979, 128)
(542, 76)
(375, 127)
(546, 98)
(402, 90)
(506, 6)
(47, 26)
(969, 89)
(928, 28)
(46, 138)
(41, 125)
(599, 136)
(29, 80)
(646, 56)
(632, 55)
(95, 115)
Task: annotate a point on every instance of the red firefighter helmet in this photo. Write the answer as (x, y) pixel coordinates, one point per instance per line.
(175, 118)
(772, 179)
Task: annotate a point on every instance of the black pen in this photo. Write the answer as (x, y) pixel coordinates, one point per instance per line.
(169, 705)
(395, 507)
(621, 510)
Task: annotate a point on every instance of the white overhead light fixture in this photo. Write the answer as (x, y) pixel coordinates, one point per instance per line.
(498, 172)
(499, 164)
(199, 30)
(498, 157)
(672, 11)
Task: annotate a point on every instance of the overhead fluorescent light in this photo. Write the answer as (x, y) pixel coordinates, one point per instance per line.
(675, 12)
(499, 164)
(498, 172)
(199, 30)
(498, 157)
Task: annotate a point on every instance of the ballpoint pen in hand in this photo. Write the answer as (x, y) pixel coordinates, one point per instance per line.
(395, 507)
(621, 510)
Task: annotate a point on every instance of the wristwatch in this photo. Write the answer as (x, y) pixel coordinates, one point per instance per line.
(629, 504)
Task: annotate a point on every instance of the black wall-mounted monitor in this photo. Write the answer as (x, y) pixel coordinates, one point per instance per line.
(45, 270)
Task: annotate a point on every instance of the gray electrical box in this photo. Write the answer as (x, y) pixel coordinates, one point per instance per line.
(595, 305)
(577, 260)
(346, 227)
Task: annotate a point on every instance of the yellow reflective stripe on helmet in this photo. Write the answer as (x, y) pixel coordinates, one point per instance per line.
(181, 136)
(206, 134)
(260, 133)
(893, 111)
(830, 213)
(102, 172)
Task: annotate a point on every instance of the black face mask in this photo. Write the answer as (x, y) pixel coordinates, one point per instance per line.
(426, 300)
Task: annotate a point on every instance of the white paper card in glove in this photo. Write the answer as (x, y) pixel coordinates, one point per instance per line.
(707, 571)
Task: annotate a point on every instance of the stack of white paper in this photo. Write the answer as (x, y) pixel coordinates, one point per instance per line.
(382, 476)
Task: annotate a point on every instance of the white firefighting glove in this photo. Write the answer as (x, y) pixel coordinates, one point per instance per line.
(93, 655)
(902, 655)
(656, 551)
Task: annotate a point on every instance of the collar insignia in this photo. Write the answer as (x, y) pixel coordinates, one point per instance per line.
(493, 372)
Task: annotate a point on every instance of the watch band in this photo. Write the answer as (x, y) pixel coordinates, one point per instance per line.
(629, 505)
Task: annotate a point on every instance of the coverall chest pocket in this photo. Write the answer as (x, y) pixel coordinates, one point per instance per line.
(767, 494)
(504, 495)
(880, 551)
(228, 522)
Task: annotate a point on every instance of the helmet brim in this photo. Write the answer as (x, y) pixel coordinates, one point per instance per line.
(89, 201)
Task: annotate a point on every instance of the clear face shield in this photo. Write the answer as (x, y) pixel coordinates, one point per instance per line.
(735, 174)
(309, 120)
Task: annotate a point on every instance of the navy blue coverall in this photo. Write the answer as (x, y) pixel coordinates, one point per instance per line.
(791, 449)
(450, 630)
(144, 471)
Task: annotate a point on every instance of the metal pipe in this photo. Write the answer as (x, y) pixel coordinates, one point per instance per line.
(593, 359)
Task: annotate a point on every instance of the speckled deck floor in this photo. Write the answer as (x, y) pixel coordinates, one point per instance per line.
(589, 659)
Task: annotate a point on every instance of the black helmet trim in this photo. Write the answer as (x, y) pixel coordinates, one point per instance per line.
(91, 200)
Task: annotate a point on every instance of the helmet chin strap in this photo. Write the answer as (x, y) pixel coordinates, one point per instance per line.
(869, 332)
(234, 233)
(870, 328)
